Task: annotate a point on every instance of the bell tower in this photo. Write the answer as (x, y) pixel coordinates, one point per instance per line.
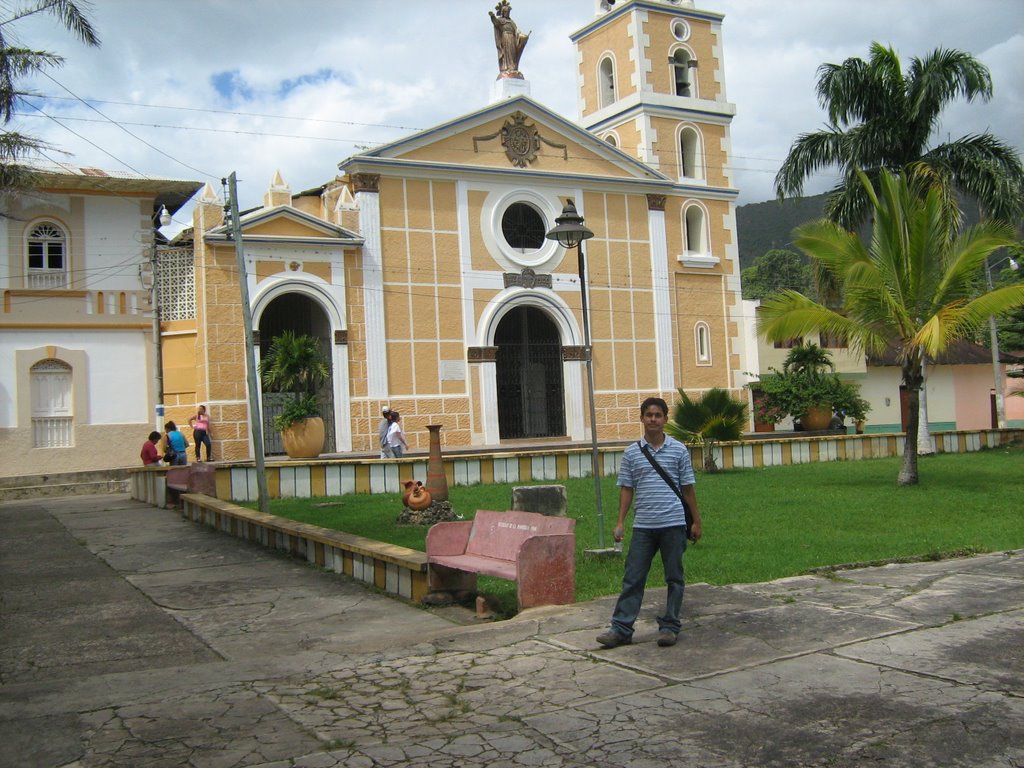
(651, 82)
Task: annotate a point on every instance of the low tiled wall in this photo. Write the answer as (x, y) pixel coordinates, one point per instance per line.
(149, 484)
(337, 477)
(396, 570)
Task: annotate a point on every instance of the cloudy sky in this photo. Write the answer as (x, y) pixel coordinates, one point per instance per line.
(196, 89)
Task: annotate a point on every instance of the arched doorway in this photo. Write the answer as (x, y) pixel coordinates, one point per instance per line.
(529, 375)
(300, 314)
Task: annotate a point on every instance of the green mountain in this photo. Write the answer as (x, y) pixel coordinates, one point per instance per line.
(764, 226)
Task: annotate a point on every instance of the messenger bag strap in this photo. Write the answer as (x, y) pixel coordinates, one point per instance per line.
(664, 476)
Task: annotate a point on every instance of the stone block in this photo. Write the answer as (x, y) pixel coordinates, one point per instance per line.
(546, 500)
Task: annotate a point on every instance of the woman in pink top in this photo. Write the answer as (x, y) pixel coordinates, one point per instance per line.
(200, 424)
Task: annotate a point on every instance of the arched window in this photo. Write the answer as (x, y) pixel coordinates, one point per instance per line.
(691, 154)
(695, 230)
(683, 65)
(612, 139)
(702, 343)
(50, 382)
(606, 81)
(46, 256)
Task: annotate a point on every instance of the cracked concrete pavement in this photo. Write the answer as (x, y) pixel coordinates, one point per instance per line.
(129, 637)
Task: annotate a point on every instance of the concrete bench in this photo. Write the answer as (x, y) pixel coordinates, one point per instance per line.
(194, 478)
(535, 551)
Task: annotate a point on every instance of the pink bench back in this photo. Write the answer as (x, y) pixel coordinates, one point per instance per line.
(500, 534)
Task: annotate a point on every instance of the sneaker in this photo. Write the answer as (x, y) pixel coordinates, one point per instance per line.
(612, 639)
(666, 638)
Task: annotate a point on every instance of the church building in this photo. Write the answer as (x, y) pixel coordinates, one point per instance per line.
(424, 268)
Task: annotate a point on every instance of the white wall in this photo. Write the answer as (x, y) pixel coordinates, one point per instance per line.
(116, 243)
(117, 385)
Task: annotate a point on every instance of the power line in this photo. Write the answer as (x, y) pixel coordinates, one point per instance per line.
(117, 124)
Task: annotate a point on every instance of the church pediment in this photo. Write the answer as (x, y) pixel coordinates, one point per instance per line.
(514, 135)
(286, 224)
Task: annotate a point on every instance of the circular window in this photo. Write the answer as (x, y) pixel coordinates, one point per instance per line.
(523, 227)
(680, 29)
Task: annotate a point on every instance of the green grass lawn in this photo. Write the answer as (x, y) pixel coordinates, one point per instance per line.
(759, 524)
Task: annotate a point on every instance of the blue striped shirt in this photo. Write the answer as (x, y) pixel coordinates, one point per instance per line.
(654, 503)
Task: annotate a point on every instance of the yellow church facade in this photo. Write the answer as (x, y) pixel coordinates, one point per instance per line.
(424, 269)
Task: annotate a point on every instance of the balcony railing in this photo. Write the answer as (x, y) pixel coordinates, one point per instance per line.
(46, 278)
(52, 432)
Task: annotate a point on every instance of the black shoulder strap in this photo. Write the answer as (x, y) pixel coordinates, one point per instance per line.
(664, 476)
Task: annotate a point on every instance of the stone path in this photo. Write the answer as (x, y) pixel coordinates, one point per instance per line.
(132, 638)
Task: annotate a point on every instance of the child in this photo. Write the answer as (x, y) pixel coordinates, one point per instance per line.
(150, 455)
(177, 446)
(200, 424)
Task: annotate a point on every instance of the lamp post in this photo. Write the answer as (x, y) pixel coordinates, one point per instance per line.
(570, 233)
(994, 337)
(164, 218)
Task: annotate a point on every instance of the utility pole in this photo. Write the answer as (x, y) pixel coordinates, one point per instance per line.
(997, 377)
(255, 419)
(158, 353)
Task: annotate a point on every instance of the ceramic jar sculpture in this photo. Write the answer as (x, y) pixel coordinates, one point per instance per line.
(416, 496)
(437, 481)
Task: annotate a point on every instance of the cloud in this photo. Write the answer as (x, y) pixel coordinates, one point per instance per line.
(218, 86)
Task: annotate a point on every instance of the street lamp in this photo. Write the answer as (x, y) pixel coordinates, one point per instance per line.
(570, 233)
(994, 336)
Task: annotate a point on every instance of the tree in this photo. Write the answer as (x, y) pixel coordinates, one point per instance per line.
(913, 289)
(1011, 328)
(712, 418)
(774, 271)
(880, 118)
(17, 61)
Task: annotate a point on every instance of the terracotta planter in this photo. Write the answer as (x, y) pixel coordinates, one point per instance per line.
(304, 439)
(817, 418)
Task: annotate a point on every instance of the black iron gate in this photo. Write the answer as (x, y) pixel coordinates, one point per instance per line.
(529, 376)
(273, 404)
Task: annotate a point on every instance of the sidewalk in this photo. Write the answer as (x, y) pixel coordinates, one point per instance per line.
(129, 637)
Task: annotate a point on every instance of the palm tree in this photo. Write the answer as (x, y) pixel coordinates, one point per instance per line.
(16, 61)
(914, 289)
(295, 363)
(713, 418)
(808, 359)
(881, 118)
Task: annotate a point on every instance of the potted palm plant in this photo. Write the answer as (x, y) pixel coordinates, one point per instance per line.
(807, 389)
(296, 363)
(712, 418)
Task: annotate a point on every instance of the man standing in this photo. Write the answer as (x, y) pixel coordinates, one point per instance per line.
(382, 433)
(659, 524)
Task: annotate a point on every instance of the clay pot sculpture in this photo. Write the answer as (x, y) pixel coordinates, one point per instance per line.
(416, 496)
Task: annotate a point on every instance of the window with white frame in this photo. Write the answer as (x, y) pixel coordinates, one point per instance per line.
(50, 382)
(695, 230)
(606, 81)
(702, 343)
(46, 255)
(690, 154)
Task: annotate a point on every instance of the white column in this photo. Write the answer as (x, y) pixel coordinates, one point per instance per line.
(488, 372)
(342, 398)
(373, 295)
(575, 399)
(662, 298)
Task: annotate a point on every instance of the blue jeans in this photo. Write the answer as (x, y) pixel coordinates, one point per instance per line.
(202, 437)
(645, 544)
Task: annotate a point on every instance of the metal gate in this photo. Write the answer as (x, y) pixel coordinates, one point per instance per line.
(530, 390)
(273, 404)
